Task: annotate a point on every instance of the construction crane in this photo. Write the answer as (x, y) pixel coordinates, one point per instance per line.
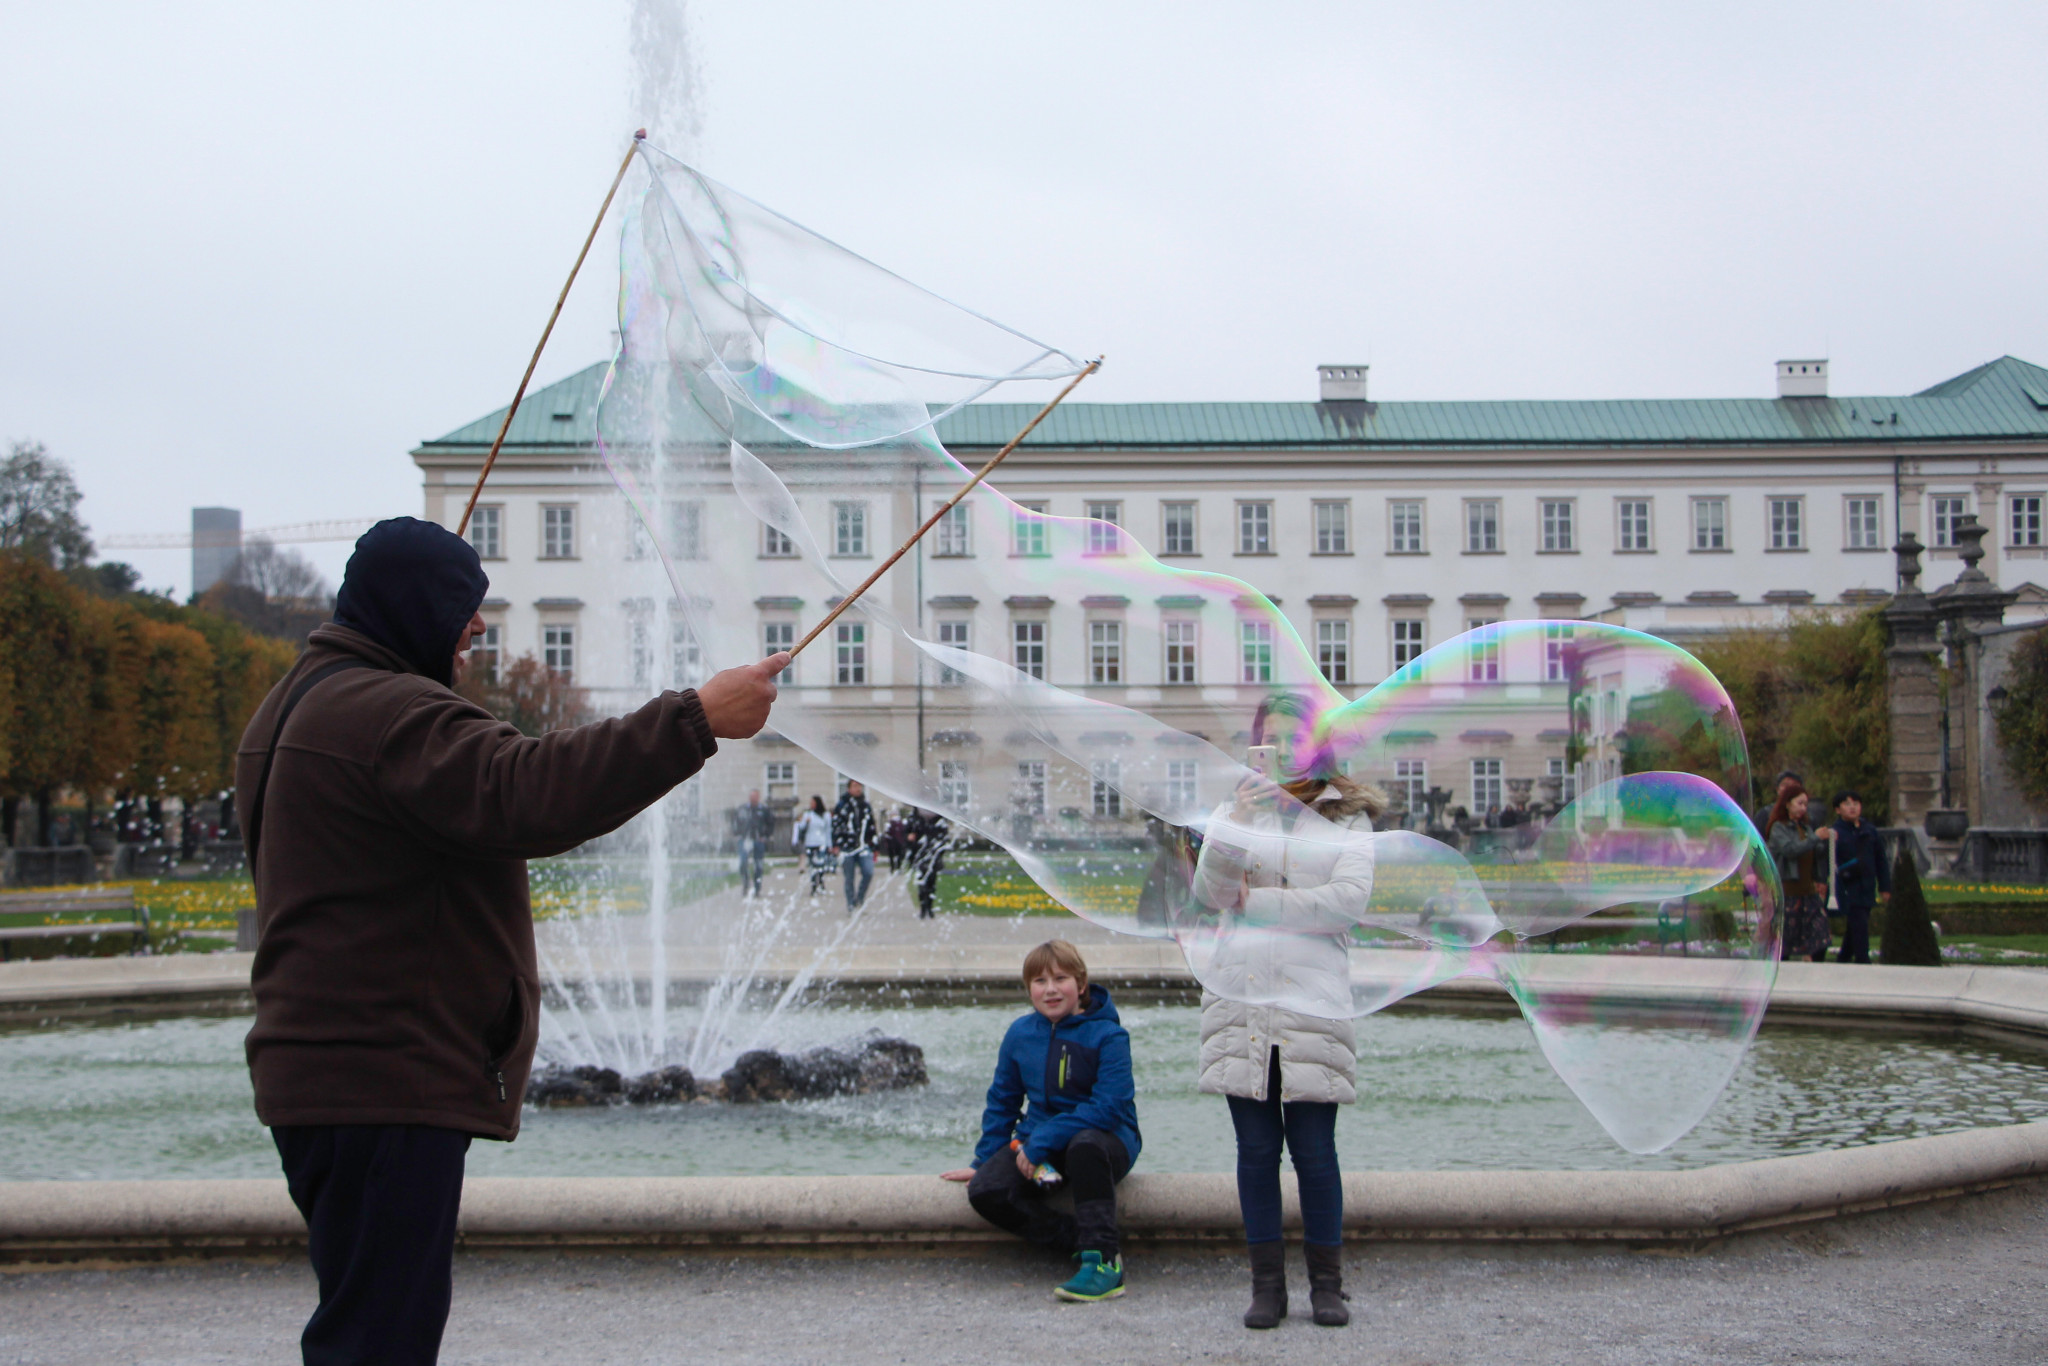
(292, 533)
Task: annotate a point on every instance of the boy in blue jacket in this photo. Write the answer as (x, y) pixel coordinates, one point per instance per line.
(1062, 1099)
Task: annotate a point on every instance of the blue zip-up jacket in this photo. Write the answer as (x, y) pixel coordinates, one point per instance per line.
(1074, 1075)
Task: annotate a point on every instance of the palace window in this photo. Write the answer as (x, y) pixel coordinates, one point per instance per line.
(1029, 795)
(558, 533)
(1333, 650)
(1254, 528)
(1632, 517)
(1556, 516)
(558, 649)
(1710, 524)
(1411, 779)
(1027, 648)
(777, 636)
(2026, 519)
(1788, 524)
(956, 634)
(1104, 775)
(1482, 526)
(1104, 538)
(1947, 511)
(775, 545)
(1105, 652)
(1408, 645)
(851, 649)
(1027, 531)
(1557, 639)
(1860, 518)
(1255, 649)
(1181, 642)
(1177, 523)
(1333, 528)
(1404, 535)
(1486, 785)
(954, 788)
(1483, 659)
(486, 526)
(949, 537)
(1182, 782)
(850, 530)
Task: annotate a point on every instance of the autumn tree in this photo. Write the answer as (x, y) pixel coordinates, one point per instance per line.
(2022, 718)
(44, 637)
(530, 695)
(39, 508)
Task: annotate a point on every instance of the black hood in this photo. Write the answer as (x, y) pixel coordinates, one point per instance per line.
(412, 586)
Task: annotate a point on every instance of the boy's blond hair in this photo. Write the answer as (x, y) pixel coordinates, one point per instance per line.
(1057, 953)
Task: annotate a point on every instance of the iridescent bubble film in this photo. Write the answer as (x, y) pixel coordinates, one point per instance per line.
(1543, 803)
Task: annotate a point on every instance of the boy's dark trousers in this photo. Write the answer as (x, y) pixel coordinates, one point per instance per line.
(1092, 1164)
(380, 1203)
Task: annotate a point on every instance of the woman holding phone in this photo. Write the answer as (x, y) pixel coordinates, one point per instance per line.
(1287, 885)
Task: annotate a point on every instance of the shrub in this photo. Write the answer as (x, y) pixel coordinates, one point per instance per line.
(1909, 937)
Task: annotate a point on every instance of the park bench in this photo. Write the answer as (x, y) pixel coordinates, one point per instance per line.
(103, 906)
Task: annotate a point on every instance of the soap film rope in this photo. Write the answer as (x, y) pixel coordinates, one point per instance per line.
(462, 528)
(933, 520)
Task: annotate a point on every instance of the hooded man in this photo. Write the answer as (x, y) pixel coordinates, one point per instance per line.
(388, 824)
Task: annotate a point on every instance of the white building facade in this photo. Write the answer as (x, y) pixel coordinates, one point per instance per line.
(1378, 530)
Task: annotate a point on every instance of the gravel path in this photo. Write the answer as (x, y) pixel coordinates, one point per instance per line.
(1958, 1282)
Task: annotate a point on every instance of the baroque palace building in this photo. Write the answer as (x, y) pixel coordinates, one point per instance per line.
(1378, 528)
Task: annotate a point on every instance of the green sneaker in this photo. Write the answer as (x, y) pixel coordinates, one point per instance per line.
(1096, 1280)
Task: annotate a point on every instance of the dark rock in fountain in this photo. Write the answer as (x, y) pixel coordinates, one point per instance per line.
(874, 1062)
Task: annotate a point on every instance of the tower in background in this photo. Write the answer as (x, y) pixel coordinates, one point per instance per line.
(216, 542)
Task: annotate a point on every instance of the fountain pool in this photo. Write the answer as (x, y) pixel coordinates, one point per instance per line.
(170, 1099)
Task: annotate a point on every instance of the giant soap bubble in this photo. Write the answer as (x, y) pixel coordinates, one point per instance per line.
(1543, 803)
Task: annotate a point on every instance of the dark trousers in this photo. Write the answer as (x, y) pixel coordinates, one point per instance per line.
(1092, 1165)
(1308, 1130)
(1855, 937)
(380, 1203)
(927, 891)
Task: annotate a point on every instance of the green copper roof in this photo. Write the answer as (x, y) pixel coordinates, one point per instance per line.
(2006, 399)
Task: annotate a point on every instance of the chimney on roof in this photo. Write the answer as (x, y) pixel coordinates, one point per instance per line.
(1802, 379)
(1342, 382)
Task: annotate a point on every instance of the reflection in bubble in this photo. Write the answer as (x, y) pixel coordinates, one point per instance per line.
(1547, 803)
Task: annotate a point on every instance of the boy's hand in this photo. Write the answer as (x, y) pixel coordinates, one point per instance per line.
(958, 1174)
(1025, 1164)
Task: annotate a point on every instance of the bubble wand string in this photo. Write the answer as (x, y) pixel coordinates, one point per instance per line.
(462, 527)
(869, 582)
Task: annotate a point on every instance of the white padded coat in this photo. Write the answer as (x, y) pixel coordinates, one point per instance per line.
(1312, 895)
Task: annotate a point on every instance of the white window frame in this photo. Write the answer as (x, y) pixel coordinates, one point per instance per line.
(2023, 521)
(957, 632)
(686, 529)
(1785, 518)
(558, 648)
(1333, 649)
(1482, 526)
(777, 636)
(1105, 528)
(558, 531)
(1105, 653)
(778, 773)
(487, 531)
(1413, 775)
(1568, 781)
(850, 529)
(1482, 663)
(1635, 521)
(1255, 527)
(952, 536)
(1407, 527)
(956, 785)
(1944, 510)
(1333, 525)
(1183, 784)
(1028, 647)
(1557, 636)
(1030, 792)
(1027, 531)
(850, 654)
(1103, 777)
(1489, 787)
(1178, 535)
(775, 545)
(1182, 641)
(1863, 521)
(1710, 523)
(1558, 522)
(1255, 647)
(1415, 627)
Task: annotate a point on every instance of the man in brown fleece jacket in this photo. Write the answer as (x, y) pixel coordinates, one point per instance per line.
(388, 822)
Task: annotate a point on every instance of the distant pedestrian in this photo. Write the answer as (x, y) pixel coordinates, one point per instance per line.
(927, 834)
(1862, 875)
(752, 825)
(853, 841)
(811, 837)
(1761, 817)
(896, 839)
(1801, 853)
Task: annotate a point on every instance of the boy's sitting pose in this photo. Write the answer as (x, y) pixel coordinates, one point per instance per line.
(1071, 1060)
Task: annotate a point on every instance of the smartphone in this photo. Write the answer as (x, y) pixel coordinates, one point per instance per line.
(1263, 760)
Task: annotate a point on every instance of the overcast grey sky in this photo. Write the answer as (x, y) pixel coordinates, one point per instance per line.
(253, 253)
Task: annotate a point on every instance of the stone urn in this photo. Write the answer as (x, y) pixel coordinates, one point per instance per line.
(1947, 826)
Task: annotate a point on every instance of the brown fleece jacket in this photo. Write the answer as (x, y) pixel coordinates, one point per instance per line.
(395, 975)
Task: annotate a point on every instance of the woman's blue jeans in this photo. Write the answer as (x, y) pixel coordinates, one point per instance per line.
(1308, 1130)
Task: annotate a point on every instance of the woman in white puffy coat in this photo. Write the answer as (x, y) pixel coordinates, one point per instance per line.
(1286, 887)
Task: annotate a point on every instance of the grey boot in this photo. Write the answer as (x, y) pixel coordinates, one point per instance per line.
(1326, 1286)
(1269, 1286)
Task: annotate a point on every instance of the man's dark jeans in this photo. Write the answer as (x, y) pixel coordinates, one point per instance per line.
(1308, 1130)
(1092, 1165)
(380, 1203)
(1855, 936)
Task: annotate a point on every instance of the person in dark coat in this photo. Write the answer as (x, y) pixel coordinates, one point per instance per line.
(1862, 875)
(853, 841)
(752, 824)
(388, 822)
(927, 836)
(1787, 780)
